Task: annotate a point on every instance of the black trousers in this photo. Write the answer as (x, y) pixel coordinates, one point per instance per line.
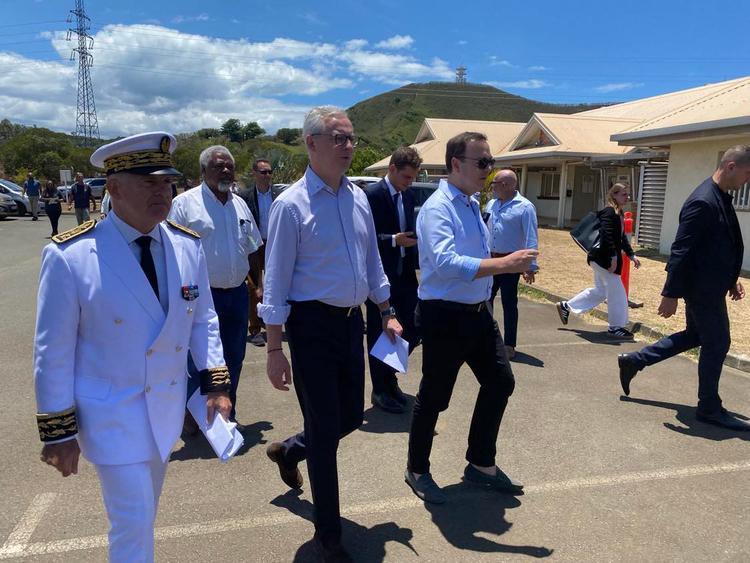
(404, 300)
(507, 284)
(328, 368)
(53, 210)
(707, 327)
(451, 338)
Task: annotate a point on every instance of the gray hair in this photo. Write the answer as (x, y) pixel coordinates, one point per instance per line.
(739, 154)
(315, 120)
(208, 153)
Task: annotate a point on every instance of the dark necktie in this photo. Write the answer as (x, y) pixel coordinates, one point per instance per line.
(400, 264)
(147, 262)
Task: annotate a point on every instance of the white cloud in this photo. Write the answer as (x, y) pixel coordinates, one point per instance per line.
(538, 68)
(185, 19)
(530, 84)
(396, 42)
(496, 61)
(148, 76)
(617, 86)
(355, 44)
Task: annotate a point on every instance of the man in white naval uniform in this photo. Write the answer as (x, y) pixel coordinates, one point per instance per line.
(120, 303)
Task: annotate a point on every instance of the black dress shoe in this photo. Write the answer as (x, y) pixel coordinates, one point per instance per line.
(399, 395)
(387, 403)
(724, 419)
(290, 475)
(628, 370)
(331, 553)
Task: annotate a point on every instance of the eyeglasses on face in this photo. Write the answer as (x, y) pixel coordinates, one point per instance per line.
(265, 172)
(482, 163)
(339, 139)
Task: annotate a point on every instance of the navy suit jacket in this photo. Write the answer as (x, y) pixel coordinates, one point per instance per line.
(250, 195)
(386, 224)
(706, 256)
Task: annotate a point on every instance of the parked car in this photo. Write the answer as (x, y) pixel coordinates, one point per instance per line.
(367, 180)
(16, 193)
(421, 191)
(7, 206)
(96, 185)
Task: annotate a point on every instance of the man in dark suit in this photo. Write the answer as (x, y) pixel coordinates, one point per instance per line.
(704, 266)
(259, 198)
(392, 205)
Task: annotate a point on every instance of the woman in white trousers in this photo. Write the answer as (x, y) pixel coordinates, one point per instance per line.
(606, 261)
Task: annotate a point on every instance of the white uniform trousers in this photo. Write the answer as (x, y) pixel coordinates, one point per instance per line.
(606, 286)
(131, 497)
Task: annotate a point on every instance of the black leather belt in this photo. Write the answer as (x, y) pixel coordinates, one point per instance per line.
(454, 306)
(330, 309)
(228, 288)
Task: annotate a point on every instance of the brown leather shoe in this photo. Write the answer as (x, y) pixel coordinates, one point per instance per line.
(290, 475)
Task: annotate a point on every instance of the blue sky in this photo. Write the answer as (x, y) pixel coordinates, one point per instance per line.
(182, 65)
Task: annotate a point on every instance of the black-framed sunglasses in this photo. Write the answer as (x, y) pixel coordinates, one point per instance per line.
(482, 163)
(339, 139)
(265, 172)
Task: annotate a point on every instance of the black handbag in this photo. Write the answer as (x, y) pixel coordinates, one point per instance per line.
(586, 233)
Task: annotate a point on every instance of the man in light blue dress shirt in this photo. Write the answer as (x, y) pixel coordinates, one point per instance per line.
(511, 220)
(457, 326)
(322, 263)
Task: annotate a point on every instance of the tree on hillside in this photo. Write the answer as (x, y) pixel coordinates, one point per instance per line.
(364, 157)
(288, 136)
(208, 133)
(252, 130)
(232, 129)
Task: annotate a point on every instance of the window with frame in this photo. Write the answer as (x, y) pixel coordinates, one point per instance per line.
(550, 187)
(741, 199)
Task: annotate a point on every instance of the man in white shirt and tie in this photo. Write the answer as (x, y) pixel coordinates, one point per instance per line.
(120, 302)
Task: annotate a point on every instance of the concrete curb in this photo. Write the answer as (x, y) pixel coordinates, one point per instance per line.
(732, 360)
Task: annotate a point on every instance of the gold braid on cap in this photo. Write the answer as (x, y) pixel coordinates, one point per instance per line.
(57, 425)
(215, 379)
(138, 159)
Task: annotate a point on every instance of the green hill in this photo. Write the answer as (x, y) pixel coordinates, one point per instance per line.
(394, 118)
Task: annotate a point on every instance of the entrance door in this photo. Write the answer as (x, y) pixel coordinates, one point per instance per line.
(585, 190)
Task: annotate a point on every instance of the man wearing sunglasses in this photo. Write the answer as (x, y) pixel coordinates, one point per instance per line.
(322, 263)
(456, 324)
(259, 198)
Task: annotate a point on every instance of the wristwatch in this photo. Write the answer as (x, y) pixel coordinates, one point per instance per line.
(389, 312)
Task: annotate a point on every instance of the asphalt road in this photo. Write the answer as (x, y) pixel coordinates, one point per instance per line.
(606, 479)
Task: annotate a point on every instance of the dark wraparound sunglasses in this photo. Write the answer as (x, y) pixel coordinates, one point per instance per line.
(265, 172)
(484, 162)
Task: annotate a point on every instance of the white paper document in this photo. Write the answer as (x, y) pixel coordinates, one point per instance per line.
(395, 354)
(223, 436)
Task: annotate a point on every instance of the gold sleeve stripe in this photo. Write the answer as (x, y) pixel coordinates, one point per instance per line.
(57, 425)
(215, 379)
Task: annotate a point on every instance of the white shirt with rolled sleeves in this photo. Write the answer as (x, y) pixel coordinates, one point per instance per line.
(452, 241)
(228, 232)
(105, 346)
(322, 246)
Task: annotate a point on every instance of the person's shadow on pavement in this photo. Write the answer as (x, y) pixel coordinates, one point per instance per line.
(377, 421)
(197, 447)
(596, 337)
(469, 512)
(370, 542)
(528, 359)
(685, 414)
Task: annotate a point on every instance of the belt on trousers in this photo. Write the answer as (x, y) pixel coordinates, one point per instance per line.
(454, 306)
(499, 254)
(330, 309)
(227, 288)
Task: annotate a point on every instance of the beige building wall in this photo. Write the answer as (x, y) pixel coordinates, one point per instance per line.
(689, 164)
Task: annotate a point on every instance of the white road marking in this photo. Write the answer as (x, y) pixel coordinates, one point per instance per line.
(18, 540)
(24, 529)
